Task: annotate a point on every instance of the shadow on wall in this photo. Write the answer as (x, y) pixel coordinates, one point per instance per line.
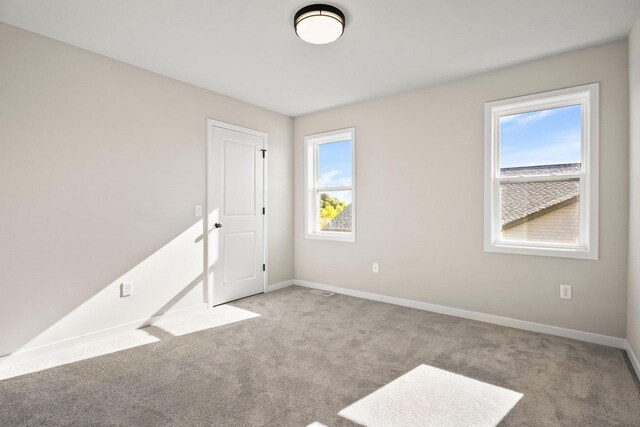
(169, 279)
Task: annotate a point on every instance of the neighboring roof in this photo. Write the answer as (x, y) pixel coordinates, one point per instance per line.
(524, 201)
(340, 222)
(542, 169)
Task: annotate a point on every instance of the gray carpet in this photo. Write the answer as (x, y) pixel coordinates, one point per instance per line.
(308, 356)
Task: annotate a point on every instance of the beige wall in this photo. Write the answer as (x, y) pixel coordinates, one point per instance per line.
(633, 316)
(420, 200)
(101, 164)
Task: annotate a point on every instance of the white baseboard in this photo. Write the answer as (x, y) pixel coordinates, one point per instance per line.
(473, 315)
(54, 347)
(633, 357)
(281, 285)
(34, 353)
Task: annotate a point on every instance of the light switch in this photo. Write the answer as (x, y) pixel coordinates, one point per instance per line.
(198, 211)
(126, 289)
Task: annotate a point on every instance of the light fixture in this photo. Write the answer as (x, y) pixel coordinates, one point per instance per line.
(319, 23)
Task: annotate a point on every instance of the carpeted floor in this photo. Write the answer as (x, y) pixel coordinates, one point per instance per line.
(309, 356)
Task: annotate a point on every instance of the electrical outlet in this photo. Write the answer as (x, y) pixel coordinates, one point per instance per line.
(126, 288)
(375, 268)
(198, 211)
(565, 291)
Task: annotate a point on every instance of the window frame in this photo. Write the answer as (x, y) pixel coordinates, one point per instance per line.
(312, 189)
(588, 97)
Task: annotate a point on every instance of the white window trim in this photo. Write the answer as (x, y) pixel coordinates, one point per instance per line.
(588, 97)
(311, 143)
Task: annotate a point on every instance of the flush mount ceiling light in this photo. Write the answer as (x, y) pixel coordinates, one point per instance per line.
(319, 23)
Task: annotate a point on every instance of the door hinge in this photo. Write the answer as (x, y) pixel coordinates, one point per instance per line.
(264, 267)
(264, 210)
(264, 152)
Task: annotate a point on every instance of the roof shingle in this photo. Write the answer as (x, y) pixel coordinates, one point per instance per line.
(520, 200)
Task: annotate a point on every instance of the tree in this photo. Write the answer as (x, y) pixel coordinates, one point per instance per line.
(330, 207)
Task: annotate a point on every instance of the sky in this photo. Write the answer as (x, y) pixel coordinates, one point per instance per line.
(334, 167)
(545, 137)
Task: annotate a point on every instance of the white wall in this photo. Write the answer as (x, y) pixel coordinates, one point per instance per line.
(633, 316)
(101, 164)
(420, 200)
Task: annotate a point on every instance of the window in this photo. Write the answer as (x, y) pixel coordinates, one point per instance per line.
(330, 185)
(541, 174)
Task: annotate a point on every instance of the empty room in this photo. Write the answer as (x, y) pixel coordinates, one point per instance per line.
(286, 213)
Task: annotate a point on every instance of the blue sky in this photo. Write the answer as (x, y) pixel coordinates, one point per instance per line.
(334, 164)
(545, 137)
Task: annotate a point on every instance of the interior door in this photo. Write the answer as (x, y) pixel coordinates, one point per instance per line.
(235, 213)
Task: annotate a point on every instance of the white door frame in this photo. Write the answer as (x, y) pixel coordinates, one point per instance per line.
(211, 123)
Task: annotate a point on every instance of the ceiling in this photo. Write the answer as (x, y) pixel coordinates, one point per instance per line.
(247, 49)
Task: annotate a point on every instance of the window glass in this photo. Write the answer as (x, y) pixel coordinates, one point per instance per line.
(335, 211)
(541, 138)
(540, 212)
(334, 164)
(541, 143)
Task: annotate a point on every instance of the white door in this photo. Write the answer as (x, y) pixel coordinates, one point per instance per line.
(235, 183)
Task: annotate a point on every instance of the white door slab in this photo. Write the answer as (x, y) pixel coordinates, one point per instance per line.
(235, 186)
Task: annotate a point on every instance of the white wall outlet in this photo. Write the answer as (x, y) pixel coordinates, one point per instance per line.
(125, 289)
(565, 291)
(198, 211)
(375, 268)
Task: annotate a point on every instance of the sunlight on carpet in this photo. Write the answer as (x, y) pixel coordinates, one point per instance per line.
(176, 325)
(123, 341)
(428, 396)
(217, 316)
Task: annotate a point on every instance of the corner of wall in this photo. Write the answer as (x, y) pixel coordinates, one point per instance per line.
(633, 272)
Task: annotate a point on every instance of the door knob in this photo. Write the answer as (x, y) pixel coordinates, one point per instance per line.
(217, 225)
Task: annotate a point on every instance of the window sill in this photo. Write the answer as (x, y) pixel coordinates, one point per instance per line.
(570, 252)
(332, 237)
